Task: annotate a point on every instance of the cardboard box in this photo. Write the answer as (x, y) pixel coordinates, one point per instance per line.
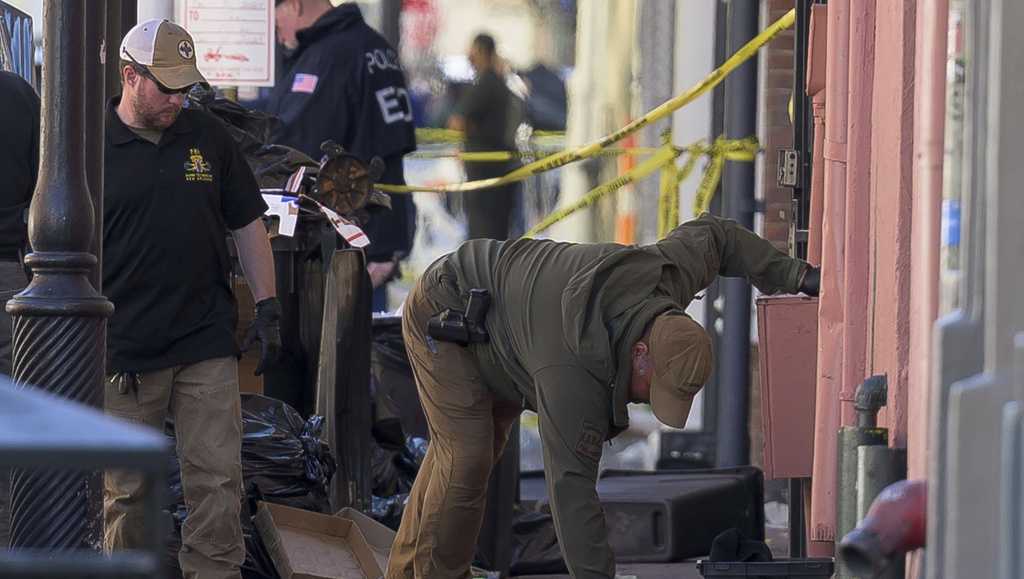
(307, 545)
(379, 537)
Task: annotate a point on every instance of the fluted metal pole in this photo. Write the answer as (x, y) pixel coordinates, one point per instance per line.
(60, 319)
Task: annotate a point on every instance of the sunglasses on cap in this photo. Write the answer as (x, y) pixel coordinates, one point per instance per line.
(144, 71)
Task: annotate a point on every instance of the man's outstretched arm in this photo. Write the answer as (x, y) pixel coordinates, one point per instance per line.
(711, 246)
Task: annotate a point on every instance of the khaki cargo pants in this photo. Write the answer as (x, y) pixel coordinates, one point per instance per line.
(468, 430)
(203, 399)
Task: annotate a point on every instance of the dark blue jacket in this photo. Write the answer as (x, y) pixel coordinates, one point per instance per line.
(344, 82)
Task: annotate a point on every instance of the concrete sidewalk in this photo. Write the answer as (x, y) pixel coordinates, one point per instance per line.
(685, 570)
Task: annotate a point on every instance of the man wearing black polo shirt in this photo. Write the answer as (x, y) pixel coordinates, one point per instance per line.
(175, 185)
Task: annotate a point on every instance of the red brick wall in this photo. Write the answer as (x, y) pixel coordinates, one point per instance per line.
(775, 126)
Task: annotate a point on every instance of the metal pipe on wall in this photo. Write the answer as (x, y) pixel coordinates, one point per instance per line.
(830, 310)
(929, 124)
(877, 468)
(929, 140)
(738, 195)
(817, 181)
(817, 51)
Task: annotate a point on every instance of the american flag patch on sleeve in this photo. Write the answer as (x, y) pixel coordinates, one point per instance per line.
(305, 83)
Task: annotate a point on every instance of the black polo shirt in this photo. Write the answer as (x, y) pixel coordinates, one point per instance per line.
(167, 209)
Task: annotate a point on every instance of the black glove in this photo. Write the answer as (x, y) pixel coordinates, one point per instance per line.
(266, 327)
(811, 281)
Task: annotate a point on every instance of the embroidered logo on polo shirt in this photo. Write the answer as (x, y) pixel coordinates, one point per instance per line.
(197, 169)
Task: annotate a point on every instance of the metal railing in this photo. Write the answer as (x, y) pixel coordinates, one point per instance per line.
(41, 431)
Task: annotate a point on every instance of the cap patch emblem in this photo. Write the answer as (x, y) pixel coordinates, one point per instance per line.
(185, 49)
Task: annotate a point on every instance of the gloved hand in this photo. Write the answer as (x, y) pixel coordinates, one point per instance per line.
(811, 281)
(265, 327)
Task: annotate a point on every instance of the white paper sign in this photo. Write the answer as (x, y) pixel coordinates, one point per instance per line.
(355, 236)
(287, 211)
(234, 39)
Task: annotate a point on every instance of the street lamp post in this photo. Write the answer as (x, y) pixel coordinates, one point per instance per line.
(60, 319)
(738, 183)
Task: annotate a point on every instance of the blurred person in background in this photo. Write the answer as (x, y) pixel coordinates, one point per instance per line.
(19, 166)
(343, 82)
(486, 114)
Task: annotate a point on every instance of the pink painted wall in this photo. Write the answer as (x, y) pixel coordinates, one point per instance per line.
(892, 201)
(866, 308)
(860, 125)
(830, 309)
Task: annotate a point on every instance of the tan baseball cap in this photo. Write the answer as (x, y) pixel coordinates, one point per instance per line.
(681, 355)
(166, 50)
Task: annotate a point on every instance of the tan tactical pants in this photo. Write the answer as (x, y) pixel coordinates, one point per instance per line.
(203, 399)
(468, 431)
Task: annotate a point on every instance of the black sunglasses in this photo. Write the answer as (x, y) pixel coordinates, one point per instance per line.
(159, 85)
(142, 70)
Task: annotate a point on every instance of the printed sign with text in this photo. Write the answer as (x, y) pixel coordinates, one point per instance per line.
(234, 39)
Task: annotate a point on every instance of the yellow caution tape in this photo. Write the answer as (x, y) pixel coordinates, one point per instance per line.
(722, 151)
(663, 110)
(667, 195)
(668, 188)
(664, 156)
(435, 135)
(708, 184)
(496, 156)
(429, 135)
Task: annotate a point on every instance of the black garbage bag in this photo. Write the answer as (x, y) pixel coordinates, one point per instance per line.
(417, 448)
(249, 127)
(535, 549)
(384, 472)
(388, 510)
(283, 461)
(272, 164)
(394, 473)
(733, 546)
(283, 455)
(395, 394)
(257, 564)
(174, 509)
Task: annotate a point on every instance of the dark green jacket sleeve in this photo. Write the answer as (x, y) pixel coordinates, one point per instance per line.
(710, 246)
(572, 409)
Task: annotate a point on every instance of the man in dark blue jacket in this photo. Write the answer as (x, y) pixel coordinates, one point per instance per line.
(343, 82)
